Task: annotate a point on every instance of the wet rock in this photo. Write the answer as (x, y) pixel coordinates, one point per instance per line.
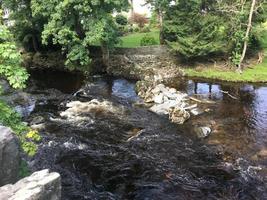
(159, 98)
(203, 132)
(40, 185)
(23, 102)
(196, 111)
(9, 156)
(178, 115)
(5, 87)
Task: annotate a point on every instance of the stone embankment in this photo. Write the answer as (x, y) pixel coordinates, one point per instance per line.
(41, 185)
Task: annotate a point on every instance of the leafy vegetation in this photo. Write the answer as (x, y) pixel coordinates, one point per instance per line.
(257, 73)
(121, 20)
(75, 25)
(212, 27)
(148, 40)
(10, 60)
(10, 69)
(27, 137)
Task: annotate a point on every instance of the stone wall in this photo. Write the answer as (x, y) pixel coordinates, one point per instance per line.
(41, 185)
(55, 60)
(9, 156)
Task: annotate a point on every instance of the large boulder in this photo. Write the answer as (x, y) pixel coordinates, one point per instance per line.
(9, 156)
(41, 185)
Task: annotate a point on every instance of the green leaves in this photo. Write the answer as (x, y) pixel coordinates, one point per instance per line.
(27, 137)
(10, 61)
(77, 24)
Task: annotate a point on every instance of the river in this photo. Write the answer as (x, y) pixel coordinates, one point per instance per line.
(136, 154)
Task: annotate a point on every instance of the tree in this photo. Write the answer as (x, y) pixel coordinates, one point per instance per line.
(27, 28)
(160, 6)
(193, 29)
(121, 20)
(138, 19)
(75, 25)
(196, 28)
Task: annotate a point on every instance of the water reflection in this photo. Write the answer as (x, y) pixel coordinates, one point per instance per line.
(239, 125)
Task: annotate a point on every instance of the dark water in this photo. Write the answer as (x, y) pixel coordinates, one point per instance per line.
(138, 155)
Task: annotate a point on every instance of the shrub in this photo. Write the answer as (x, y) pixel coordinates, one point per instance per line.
(146, 29)
(121, 20)
(136, 29)
(148, 41)
(138, 19)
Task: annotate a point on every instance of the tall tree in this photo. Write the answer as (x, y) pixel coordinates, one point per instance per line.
(160, 6)
(76, 24)
(246, 39)
(193, 29)
(27, 29)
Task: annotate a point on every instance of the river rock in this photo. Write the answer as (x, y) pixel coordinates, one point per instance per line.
(203, 132)
(178, 115)
(159, 98)
(41, 185)
(163, 109)
(196, 111)
(9, 156)
(4, 87)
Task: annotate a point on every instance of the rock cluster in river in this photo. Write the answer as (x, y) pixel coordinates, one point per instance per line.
(41, 185)
(167, 101)
(9, 156)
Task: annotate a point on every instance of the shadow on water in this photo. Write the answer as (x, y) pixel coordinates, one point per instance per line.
(136, 154)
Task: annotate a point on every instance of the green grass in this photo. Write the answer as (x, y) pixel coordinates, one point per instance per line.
(133, 40)
(255, 74)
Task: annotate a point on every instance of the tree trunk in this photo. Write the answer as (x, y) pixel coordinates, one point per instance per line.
(132, 7)
(35, 43)
(249, 27)
(105, 54)
(161, 38)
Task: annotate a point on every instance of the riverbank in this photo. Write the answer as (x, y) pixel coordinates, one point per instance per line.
(256, 74)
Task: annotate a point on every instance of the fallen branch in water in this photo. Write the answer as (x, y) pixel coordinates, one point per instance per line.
(226, 92)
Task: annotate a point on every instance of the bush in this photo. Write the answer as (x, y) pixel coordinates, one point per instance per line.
(136, 29)
(148, 41)
(146, 29)
(138, 19)
(121, 20)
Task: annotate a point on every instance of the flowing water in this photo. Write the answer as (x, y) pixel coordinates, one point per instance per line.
(137, 154)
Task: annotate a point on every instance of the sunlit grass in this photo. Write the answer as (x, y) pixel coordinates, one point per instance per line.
(134, 39)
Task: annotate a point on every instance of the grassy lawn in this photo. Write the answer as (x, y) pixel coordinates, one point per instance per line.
(134, 39)
(255, 74)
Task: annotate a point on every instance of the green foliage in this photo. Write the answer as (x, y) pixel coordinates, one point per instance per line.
(121, 20)
(192, 31)
(27, 28)
(23, 169)
(27, 137)
(10, 60)
(153, 22)
(145, 29)
(199, 28)
(148, 40)
(75, 25)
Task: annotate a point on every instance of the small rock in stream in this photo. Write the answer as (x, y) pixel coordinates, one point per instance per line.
(203, 132)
